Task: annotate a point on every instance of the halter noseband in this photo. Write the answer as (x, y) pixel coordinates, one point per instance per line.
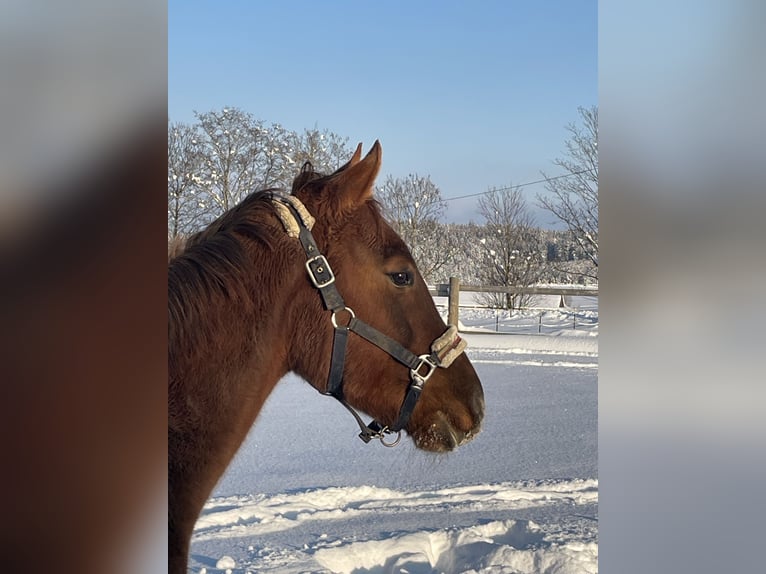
(297, 221)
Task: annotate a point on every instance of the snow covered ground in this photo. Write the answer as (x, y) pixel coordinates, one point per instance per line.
(305, 495)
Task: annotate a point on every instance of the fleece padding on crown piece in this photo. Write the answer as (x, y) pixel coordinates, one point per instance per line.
(448, 347)
(288, 219)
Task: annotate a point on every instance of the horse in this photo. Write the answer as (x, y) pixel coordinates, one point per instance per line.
(314, 282)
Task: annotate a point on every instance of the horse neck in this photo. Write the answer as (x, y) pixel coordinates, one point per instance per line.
(227, 342)
(229, 338)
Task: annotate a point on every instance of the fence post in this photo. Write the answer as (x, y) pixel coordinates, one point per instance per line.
(454, 300)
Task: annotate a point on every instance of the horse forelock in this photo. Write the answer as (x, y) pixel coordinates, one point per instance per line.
(306, 176)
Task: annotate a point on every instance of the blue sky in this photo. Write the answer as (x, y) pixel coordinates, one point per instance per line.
(473, 94)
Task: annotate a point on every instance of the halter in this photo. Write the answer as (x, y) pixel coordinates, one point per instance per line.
(298, 222)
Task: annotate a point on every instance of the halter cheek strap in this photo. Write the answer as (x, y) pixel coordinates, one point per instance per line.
(444, 350)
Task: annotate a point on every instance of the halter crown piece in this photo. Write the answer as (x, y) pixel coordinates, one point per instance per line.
(298, 222)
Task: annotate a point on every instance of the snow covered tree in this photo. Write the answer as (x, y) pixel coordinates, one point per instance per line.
(241, 155)
(467, 255)
(413, 206)
(325, 150)
(185, 201)
(574, 199)
(512, 255)
(228, 154)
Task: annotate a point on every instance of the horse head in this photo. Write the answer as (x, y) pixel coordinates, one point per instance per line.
(382, 289)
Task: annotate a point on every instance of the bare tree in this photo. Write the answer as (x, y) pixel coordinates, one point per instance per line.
(468, 252)
(512, 256)
(240, 155)
(184, 169)
(325, 150)
(228, 154)
(413, 206)
(574, 199)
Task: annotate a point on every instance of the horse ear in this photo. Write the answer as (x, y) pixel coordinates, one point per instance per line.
(354, 184)
(357, 156)
(353, 161)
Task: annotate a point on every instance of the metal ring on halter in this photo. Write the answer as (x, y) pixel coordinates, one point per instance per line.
(421, 379)
(334, 313)
(390, 444)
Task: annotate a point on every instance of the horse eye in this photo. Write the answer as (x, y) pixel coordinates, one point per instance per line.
(401, 279)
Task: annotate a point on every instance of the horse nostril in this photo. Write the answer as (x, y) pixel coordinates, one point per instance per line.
(467, 437)
(458, 437)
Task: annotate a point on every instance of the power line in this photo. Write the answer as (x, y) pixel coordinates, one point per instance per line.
(526, 184)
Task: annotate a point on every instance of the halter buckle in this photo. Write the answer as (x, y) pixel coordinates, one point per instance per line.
(419, 379)
(320, 272)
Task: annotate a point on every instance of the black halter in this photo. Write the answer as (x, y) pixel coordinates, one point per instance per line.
(444, 350)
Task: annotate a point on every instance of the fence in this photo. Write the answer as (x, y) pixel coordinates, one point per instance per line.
(452, 291)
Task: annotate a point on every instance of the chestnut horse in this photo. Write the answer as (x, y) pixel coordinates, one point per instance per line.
(316, 283)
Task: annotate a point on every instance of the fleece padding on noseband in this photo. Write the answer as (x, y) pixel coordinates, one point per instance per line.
(448, 347)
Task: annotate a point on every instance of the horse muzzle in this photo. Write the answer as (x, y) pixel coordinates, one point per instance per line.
(455, 416)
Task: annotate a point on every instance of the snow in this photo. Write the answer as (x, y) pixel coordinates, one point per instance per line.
(304, 494)
(504, 546)
(225, 562)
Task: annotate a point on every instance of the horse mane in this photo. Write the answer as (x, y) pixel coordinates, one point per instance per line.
(215, 265)
(176, 245)
(243, 218)
(212, 266)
